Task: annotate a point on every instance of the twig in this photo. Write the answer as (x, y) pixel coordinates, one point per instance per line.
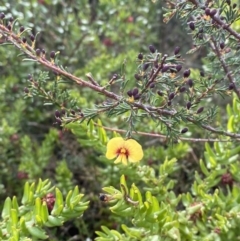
(225, 67)
(157, 135)
(30, 52)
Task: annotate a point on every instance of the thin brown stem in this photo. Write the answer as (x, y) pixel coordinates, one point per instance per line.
(224, 66)
(164, 137)
(30, 52)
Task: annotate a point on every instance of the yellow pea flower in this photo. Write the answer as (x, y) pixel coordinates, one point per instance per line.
(124, 150)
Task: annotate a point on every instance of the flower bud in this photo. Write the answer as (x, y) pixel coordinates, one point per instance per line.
(130, 93)
(178, 67)
(192, 25)
(189, 104)
(49, 199)
(207, 11)
(26, 90)
(222, 45)
(182, 89)
(152, 85)
(190, 83)
(24, 40)
(2, 15)
(21, 29)
(186, 73)
(152, 49)
(52, 55)
(57, 114)
(169, 103)
(231, 86)
(184, 130)
(137, 97)
(202, 73)
(137, 76)
(135, 91)
(165, 68)
(140, 56)
(38, 52)
(32, 37)
(11, 19)
(145, 66)
(200, 110)
(160, 93)
(234, 5)
(171, 96)
(213, 12)
(227, 179)
(176, 50)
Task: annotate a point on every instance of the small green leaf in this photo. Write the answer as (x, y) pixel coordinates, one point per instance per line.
(7, 208)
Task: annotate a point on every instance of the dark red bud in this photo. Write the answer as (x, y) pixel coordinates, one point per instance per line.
(200, 110)
(137, 97)
(52, 55)
(160, 93)
(176, 50)
(43, 51)
(182, 89)
(152, 49)
(234, 5)
(38, 52)
(145, 66)
(165, 68)
(24, 40)
(137, 76)
(32, 37)
(231, 86)
(178, 67)
(202, 73)
(169, 103)
(135, 91)
(26, 90)
(9, 27)
(140, 56)
(21, 29)
(171, 96)
(192, 25)
(207, 11)
(213, 12)
(227, 179)
(63, 112)
(129, 93)
(186, 73)
(184, 130)
(11, 19)
(190, 83)
(222, 45)
(2, 15)
(189, 104)
(152, 85)
(57, 114)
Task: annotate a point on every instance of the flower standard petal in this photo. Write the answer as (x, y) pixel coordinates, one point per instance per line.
(135, 152)
(113, 146)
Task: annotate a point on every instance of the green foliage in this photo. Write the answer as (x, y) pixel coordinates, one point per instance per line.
(40, 209)
(161, 97)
